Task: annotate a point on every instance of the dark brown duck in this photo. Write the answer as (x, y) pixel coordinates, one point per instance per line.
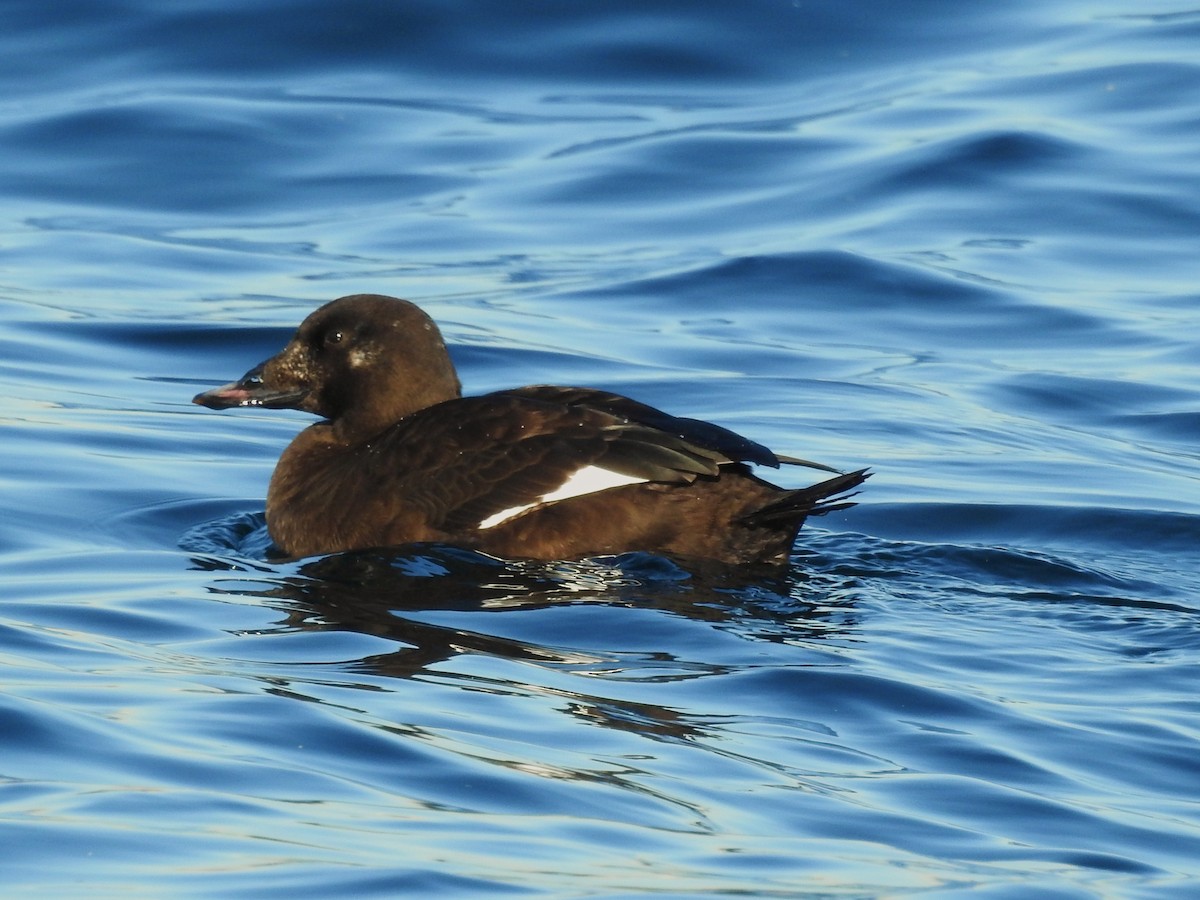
(540, 472)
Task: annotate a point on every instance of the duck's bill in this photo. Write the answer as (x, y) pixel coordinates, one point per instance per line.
(249, 390)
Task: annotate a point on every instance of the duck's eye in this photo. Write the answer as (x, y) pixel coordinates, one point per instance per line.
(333, 337)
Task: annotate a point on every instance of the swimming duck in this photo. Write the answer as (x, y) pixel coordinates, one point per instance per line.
(540, 472)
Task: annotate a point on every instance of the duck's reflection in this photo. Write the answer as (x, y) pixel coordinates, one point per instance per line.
(370, 593)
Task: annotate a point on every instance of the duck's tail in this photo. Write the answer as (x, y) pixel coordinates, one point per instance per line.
(796, 505)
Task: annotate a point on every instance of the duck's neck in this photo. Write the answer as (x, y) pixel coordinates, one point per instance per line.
(367, 419)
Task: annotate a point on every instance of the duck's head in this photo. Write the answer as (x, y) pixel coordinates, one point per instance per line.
(363, 362)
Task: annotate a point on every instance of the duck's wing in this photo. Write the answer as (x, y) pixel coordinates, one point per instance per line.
(474, 462)
(695, 431)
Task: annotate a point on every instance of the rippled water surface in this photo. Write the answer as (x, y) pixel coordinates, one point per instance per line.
(954, 242)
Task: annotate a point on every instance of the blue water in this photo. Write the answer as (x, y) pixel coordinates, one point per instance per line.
(953, 242)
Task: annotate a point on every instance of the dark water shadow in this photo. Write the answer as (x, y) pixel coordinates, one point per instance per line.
(381, 593)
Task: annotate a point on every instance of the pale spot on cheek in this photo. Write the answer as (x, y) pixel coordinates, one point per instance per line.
(358, 357)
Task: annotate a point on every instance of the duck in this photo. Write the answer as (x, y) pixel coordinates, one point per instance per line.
(545, 472)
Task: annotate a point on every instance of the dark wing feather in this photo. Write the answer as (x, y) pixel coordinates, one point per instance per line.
(464, 460)
(693, 431)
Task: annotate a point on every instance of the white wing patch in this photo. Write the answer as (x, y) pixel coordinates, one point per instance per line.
(588, 480)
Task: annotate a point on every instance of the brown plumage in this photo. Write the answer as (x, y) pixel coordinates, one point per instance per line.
(402, 457)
